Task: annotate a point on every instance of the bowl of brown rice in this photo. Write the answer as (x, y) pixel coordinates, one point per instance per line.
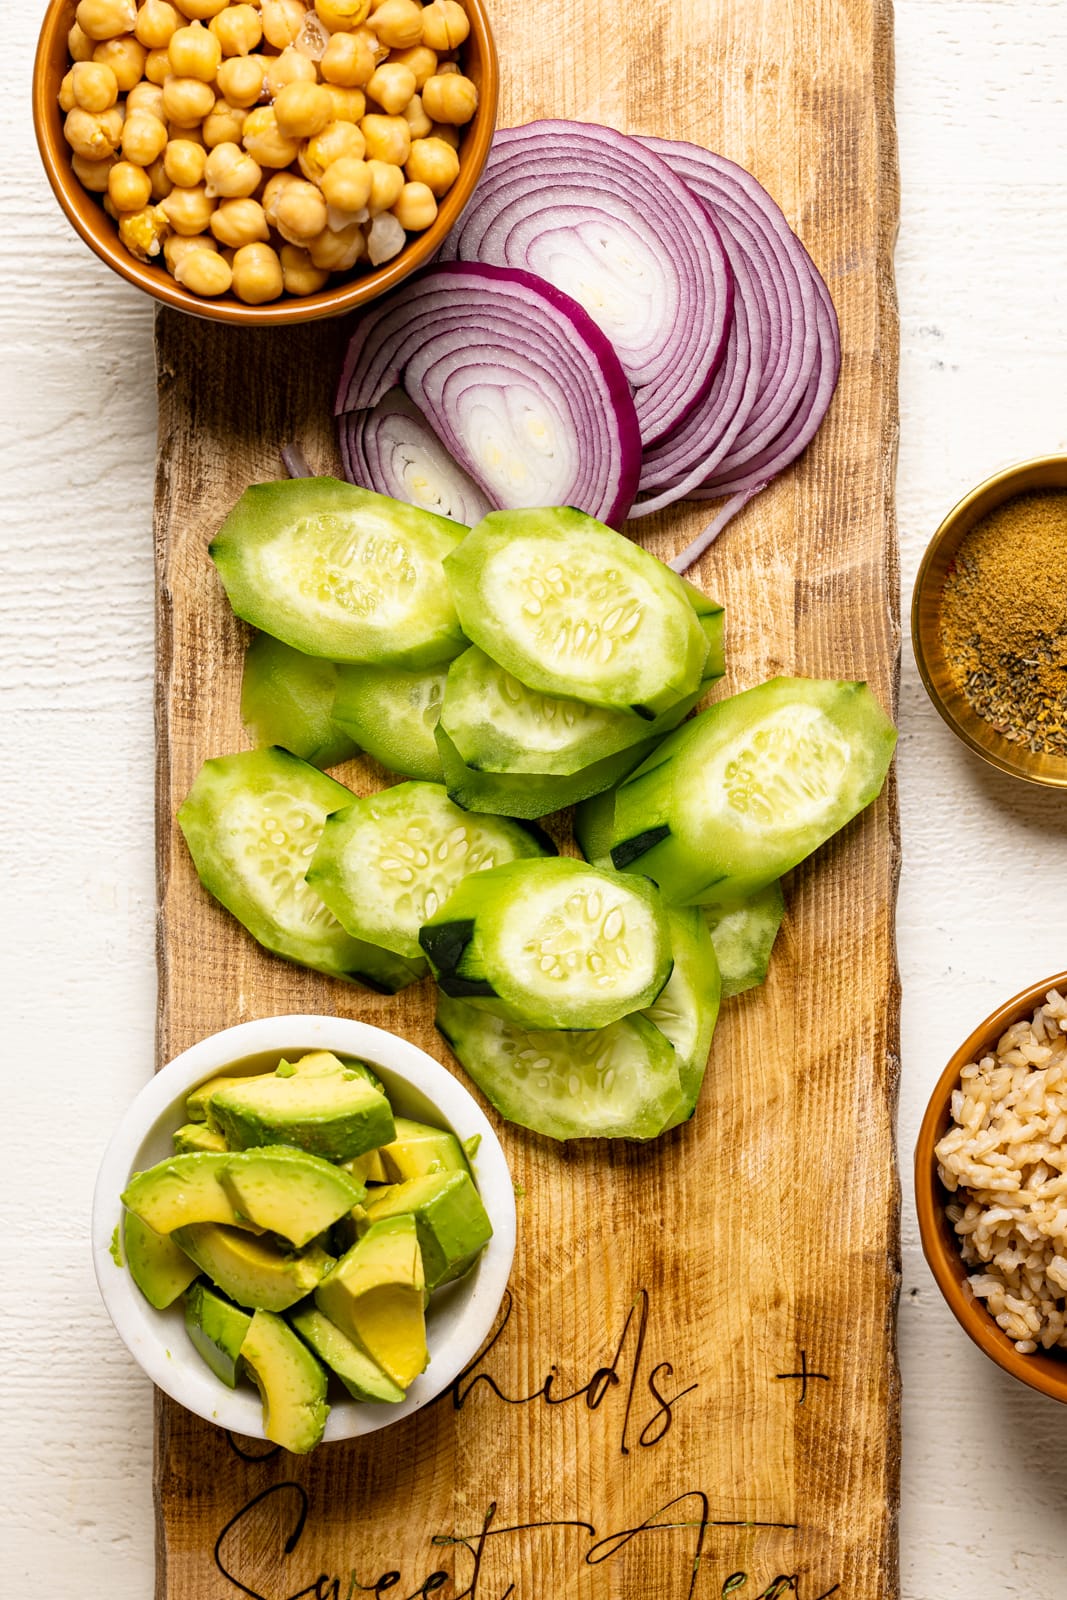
(991, 1186)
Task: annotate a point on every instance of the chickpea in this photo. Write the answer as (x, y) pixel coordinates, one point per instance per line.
(423, 62)
(106, 19)
(143, 232)
(187, 101)
(183, 162)
(348, 105)
(392, 86)
(224, 124)
(444, 25)
(292, 66)
(445, 131)
(94, 86)
(300, 212)
(67, 102)
(450, 97)
(336, 140)
(348, 61)
(264, 140)
(194, 135)
(144, 137)
(341, 16)
(241, 79)
(346, 184)
(418, 122)
(238, 29)
(129, 187)
(188, 211)
(367, 36)
(257, 274)
(338, 252)
(416, 207)
(445, 67)
(155, 25)
(93, 175)
(146, 97)
(230, 173)
(125, 57)
(89, 135)
(194, 52)
(79, 45)
(201, 10)
(157, 66)
(273, 190)
(203, 272)
(282, 21)
(397, 23)
(176, 246)
(434, 163)
(302, 110)
(388, 138)
(386, 182)
(239, 222)
(161, 184)
(299, 273)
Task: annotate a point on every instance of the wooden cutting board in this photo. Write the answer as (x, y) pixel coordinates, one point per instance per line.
(693, 1389)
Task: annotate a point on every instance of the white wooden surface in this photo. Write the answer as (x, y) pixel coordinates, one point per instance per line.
(982, 121)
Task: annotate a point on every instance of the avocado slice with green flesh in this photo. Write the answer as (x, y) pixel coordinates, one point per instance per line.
(157, 1266)
(287, 1191)
(333, 1116)
(367, 1168)
(361, 1376)
(323, 1063)
(182, 1189)
(450, 1220)
(198, 1136)
(290, 1379)
(217, 1330)
(251, 1270)
(376, 1295)
(198, 1100)
(419, 1149)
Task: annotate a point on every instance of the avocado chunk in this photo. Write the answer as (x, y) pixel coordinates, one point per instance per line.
(450, 1220)
(157, 1266)
(289, 1192)
(217, 1330)
(291, 1381)
(419, 1149)
(367, 1168)
(250, 1270)
(181, 1190)
(361, 1376)
(376, 1295)
(335, 1116)
(198, 1136)
(323, 1063)
(198, 1100)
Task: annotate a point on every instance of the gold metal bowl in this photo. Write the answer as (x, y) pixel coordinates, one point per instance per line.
(1046, 472)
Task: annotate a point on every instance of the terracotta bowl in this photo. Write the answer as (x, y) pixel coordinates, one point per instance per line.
(342, 294)
(1045, 472)
(1046, 1372)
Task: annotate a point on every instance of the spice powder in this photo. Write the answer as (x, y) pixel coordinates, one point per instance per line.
(1004, 620)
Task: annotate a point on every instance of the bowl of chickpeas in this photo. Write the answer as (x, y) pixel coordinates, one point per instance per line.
(266, 162)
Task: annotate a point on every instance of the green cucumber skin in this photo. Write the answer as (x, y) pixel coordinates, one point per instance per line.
(529, 796)
(694, 991)
(391, 713)
(202, 817)
(286, 700)
(701, 857)
(260, 531)
(743, 933)
(647, 681)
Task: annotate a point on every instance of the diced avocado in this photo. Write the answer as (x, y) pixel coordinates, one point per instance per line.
(419, 1149)
(251, 1270)
(198, 1101)
(181, 1190)
(157, 1266)
(289, 1191)
(367, 1168)
(198, 1136)
(291, 1381)
(216, 1329)
(333, 1116)
(361, 1376)
(450, 1221)
(376, 1295)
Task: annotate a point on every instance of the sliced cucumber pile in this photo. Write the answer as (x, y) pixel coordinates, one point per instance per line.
(391, 713)
(287, 699)
(743, 934)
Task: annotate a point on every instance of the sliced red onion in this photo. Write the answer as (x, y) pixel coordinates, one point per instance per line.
(515, 379)
(295, 461)
(602, 217)
(392, 448)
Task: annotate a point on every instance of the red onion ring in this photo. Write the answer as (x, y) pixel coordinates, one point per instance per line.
(392, 448)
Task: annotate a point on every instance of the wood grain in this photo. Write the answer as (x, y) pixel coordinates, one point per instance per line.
(668, 1289)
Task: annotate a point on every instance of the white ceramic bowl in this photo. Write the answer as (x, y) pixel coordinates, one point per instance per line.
(459, 1316)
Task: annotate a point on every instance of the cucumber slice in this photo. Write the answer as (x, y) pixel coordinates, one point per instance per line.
(286, 699)
(385, 864)
(339, 572)
(392, 714)
(618, 1082)
(569, 607)
(594, 820)
(743, 935)
(551, 943)
(712, 619)
(252, 822)
(749, 787)
(687, 1009)
(531, 795)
